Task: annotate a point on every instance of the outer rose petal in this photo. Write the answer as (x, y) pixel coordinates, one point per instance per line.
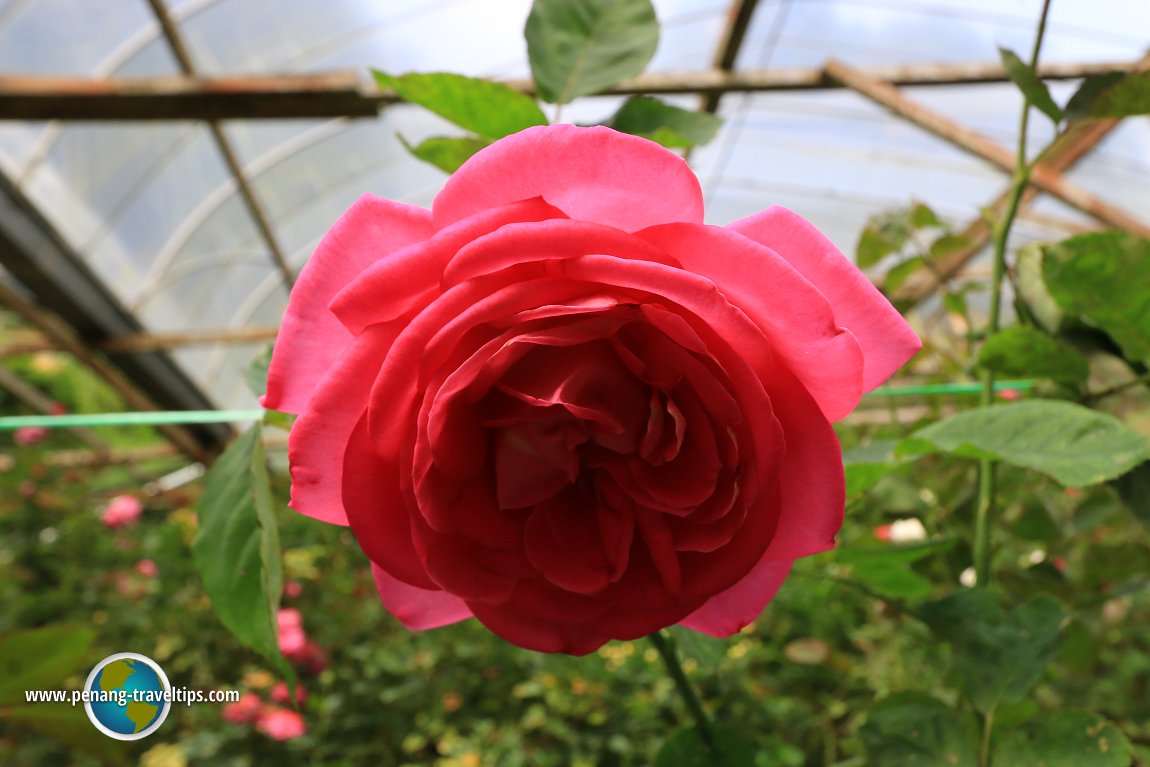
(319, 438)
(728, 612)
(418, 609)
(887, 341)
(311, 338)
(592, 174)
(811, 481)
(793, 314)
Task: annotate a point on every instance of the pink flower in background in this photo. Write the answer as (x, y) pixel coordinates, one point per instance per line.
(281, 723)
(292, 589)
(30, 435)
(147, 568)
(122, 511)
(560, 403)
(1010, 395)
(289, 626)
(280, 694)
(27, 488)
(245, 710)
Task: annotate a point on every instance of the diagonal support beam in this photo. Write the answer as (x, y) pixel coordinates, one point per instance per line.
(738, 20)
(1043, 176)
(183, 56)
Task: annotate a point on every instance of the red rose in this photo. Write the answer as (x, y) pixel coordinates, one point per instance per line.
(560, 403)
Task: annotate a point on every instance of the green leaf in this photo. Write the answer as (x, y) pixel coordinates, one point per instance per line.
(923, 217)
(707, 650)
(1029, 353)
(873, 246)
(1071, 443)
(488, 109)
(686, 748)
(1035, 522)
(256, 373)
(1082, 103)
(886, 569)
(947, 244)
(898, 274)
(668, 125)
(580, 47)
(1126, 97)
(997, 656)
(1104, 278)
(912, 729)
(68, 725)
(1030, 84)
(1134, 489)
(866, 464)
(1033, 294)
(1064, 739)
(445, 153)
(40, 659)
(237, 549)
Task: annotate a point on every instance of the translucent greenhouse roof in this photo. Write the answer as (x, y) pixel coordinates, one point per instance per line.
(153, 211)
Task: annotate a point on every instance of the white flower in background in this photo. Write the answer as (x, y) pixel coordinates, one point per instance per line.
(907, 531)
(968, 578)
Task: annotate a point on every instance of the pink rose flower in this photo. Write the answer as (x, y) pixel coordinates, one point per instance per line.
(560, 403)
(245, 710)
(122, 511)
(281, 723)
(147, 568)
(280, 694)
(29, 435)
(290, 633)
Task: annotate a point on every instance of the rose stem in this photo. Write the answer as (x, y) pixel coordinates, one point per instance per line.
(665, 644)
(986, 473)
(986, 468)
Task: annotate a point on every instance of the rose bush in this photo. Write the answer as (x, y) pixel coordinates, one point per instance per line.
(560, 403)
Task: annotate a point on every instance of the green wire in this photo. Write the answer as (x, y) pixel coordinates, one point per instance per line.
(947, 388)
(159, 417)
(150, 417)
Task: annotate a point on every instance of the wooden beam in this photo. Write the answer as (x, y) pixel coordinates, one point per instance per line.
(738, 20)
(32, 342)
(142, 342)
(345, 94)
(1043, 177)
(331, 94)
(183, 55)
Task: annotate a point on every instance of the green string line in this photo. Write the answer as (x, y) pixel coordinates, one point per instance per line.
(160, 417)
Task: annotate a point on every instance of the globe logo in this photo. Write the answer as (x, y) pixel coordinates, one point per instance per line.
(127, 696)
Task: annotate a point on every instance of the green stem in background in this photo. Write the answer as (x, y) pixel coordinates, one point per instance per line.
(984, 747)
(986, 470)
(667, 651)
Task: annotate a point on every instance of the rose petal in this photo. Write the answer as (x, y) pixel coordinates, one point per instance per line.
(319, 438)
(592, 174)
(401, 285)
(418, 609)
(794, 315)
(726, 613)
(811, 480)
(887, 341)
(378, 511)
(310, 338)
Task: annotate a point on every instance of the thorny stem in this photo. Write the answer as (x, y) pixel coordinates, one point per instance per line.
(986, 473)
(666, 647)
